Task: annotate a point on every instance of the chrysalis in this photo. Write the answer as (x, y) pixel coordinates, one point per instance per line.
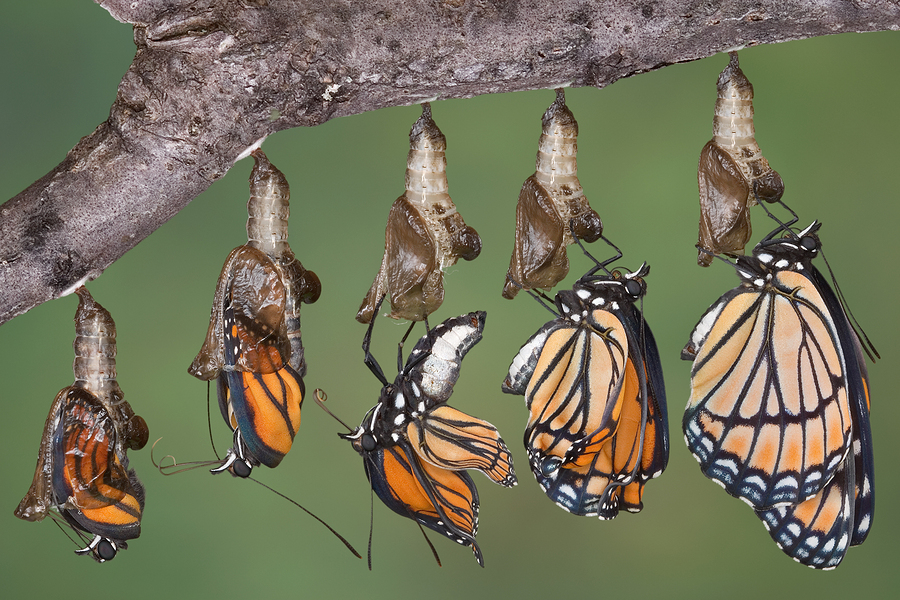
(550, 202)
(733, 173)
(424, 233)
(82, 468)
(253, 343)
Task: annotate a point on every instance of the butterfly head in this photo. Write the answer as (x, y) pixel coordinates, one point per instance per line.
(102, 549)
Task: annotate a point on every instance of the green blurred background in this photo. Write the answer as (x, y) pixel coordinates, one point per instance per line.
(827, 120)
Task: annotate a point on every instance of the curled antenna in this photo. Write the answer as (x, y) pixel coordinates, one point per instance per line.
(320, 397)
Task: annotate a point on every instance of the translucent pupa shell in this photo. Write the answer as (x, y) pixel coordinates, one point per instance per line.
(82, 467)
(732, 172)
(424, 234)
(552, 209)
(262, 279)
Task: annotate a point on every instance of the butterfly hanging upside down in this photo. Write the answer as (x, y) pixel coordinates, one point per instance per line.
(416, 448)
(253, 347)
(82, 469)
(597, 426)
(779, 406)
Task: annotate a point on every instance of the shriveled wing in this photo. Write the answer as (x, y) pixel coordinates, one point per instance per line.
(601, 479)
(90, 483)
(769, 415)
(264, 405)
(522, 367)
(450, 439)
(444, 501)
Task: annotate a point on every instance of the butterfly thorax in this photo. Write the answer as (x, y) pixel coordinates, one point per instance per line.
(591, 294)
(771, 257)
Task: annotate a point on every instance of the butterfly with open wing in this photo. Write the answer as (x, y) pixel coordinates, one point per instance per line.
(416, 448)
(82, 469)
(597, 424)
(779, 407)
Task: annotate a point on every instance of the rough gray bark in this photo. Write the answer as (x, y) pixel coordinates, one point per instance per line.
(211, 78)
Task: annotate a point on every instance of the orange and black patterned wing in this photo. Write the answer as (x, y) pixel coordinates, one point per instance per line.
(263, 404)
(450, 439)
(858, 391)
(575, 393)
(92, 487)
(599, 478)
(769, 414)
(818, 531)
(442, 500)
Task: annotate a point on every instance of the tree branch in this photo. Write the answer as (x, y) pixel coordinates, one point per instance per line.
(211, 79)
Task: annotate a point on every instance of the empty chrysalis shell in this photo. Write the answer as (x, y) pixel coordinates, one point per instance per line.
(732, 173)
(551, 201)
(262, 280)
(424, 234)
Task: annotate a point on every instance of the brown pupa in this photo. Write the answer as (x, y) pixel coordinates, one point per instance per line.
(262, 280)
(424, 234)
(732, 172)
(551, 201)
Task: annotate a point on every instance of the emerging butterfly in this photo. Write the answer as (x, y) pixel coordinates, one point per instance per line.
(779, 406)
(82, 468)
(416, 448)
(593, 384)
(253, 347)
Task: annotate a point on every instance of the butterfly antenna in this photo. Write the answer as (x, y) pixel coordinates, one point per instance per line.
(186, 466)
(371, 522)
(430, 545)
(857, 328)
(301, 507)
(320, 398)
(369, 360)
(212, 442)
(66, 528)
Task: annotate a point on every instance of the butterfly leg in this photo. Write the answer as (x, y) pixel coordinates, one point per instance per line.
(369, 360)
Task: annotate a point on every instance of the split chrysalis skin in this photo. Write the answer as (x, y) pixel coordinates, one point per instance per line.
(82, 467)
(424, 235)
(275, 301)
(253, 347)
(552, 209)
(732, 172)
